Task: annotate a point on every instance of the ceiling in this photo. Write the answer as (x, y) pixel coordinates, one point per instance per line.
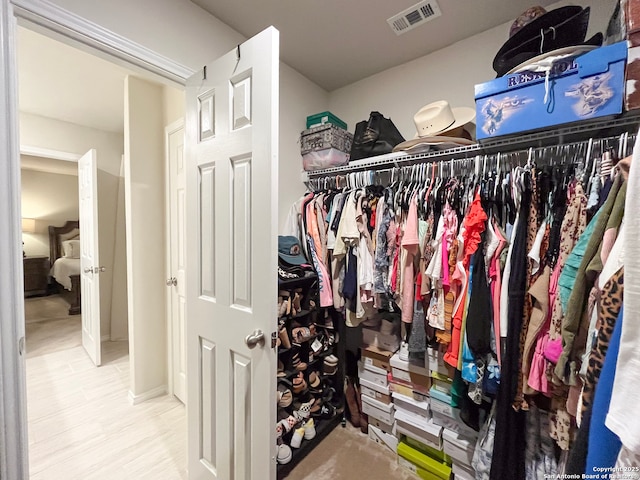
(62, 82)
(333, 43)
(337, 42)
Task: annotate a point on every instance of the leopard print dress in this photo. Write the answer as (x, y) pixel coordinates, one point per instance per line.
(610, 305)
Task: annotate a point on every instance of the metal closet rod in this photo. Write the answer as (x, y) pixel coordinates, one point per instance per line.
(418, 169)
(366, 173)
(599, 128)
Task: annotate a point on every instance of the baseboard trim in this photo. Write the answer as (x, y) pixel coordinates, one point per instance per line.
(105, 338)
(143, 397)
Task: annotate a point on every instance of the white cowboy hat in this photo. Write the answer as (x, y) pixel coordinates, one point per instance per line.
(434, 120)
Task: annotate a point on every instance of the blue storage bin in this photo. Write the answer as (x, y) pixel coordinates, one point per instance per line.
(582, 88)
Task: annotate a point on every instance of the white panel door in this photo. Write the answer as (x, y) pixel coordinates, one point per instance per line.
(176, 183)
(232, 171)
(89, 258)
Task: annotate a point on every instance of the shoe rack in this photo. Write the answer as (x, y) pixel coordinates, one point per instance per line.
(310, 399)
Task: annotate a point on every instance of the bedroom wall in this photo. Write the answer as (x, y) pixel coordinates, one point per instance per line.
(48, 133)
(447, 74)
(144, 207)
(51, 199)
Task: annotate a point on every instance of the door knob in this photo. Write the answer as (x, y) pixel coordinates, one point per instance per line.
(88, 270)
(257, 337)
(99, 269)
(173, 281)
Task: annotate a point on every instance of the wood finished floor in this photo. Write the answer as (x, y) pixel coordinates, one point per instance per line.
(82, 426)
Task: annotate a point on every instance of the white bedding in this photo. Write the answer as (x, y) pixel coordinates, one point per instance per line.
(63, 268)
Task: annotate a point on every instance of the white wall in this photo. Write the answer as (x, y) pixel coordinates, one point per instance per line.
(51, 199)
(119, 304)
(36, 131)
(145, 215)
(183, 32)
(299, 98)
(448, 74)
(172, 105)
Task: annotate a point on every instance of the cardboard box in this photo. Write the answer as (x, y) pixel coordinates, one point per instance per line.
(408, 388)
(408, 372)
(379, 410)
(461, 472)
(454, 424)
(383, 438)
(385, 427)
(423, 465)
(417, 427)
(441, 383)
(373, 390)
(372, 355)
(435, 363)
(382, 341)
(410, 404)
(459, 447)
(372, 374)
(584, 88)
(440, 396)
(424, 448)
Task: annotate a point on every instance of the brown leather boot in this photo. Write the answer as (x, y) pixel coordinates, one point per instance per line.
(364, 418)
(352, 404)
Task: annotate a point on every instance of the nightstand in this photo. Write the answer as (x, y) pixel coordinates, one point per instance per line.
(36, 273)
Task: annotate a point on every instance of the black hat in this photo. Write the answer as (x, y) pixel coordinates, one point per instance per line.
(559, 28)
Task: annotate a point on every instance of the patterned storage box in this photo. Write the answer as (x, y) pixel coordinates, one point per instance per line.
(325, 136)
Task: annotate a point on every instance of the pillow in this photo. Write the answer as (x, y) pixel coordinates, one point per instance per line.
(71, 249)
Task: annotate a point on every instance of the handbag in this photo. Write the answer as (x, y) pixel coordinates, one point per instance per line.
(375, 136)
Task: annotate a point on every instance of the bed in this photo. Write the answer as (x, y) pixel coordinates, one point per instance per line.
(65, 269)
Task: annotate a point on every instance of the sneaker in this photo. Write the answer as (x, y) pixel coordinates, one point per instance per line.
(284, 454)
(298, 435)
(330, 366)
(304, 411)
(404, 352)
(326, 412)
(309, 429)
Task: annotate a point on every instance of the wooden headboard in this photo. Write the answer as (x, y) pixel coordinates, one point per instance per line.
(57, 235)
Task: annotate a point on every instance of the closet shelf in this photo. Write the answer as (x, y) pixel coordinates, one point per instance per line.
(323, 428)
(627, 122)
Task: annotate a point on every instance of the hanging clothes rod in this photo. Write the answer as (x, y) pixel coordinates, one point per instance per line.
(608, 128)
(579, 153)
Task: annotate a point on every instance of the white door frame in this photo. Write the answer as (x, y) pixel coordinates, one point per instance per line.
(57, 22)
(168, 130)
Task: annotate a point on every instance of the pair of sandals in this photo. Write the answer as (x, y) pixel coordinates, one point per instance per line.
(289, 303)
(303, 334)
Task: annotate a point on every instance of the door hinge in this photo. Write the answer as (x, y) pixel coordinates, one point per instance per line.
(274, 339)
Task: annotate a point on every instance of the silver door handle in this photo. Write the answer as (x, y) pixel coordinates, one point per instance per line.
(99, 269)
(88, 270)
(257, 337)
(173, 281)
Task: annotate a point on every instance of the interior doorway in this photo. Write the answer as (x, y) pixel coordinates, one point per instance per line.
(62, 376)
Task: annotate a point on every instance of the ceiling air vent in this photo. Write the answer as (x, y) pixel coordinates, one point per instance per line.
(414, 16)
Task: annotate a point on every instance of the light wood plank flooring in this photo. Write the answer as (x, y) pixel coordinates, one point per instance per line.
(81, 424)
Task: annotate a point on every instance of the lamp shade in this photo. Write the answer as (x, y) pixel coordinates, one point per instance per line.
(28, 225)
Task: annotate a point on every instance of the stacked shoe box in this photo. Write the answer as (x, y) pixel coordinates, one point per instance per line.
(458, 440)
(420, 448)
(423, 460)
(376, 397)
